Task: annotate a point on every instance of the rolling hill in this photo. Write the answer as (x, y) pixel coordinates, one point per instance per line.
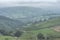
(44, 28)
(9, 24)
(29, 14)
(40, 27)
(44, 24)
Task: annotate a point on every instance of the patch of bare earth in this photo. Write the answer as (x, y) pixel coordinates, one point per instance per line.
(56, 28)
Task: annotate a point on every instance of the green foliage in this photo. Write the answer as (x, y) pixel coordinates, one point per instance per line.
(18, 34)
(40, 36)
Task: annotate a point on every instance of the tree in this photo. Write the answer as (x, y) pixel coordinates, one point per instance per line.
(18, 34)
(3, 32)
(40, 36)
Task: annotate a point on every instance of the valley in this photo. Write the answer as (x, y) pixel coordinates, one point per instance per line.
(26, 23)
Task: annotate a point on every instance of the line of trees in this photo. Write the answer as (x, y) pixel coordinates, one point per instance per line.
(40, 36)
(16, 34)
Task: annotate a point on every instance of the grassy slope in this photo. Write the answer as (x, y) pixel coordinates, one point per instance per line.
(43, 27)
(6, 37)
(45, 24)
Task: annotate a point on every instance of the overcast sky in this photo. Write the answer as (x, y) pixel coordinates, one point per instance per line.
(4, 3)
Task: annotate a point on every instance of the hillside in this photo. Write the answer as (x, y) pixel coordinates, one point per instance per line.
(44, 24)
(44, 28)
(9, 24)
(29, 14)
(38, 20)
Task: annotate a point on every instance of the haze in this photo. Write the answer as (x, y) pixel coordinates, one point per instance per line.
(5, 3)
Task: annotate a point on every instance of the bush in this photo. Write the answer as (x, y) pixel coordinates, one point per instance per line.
(40, 36)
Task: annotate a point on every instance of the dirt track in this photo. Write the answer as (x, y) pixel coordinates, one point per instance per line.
(56, 28)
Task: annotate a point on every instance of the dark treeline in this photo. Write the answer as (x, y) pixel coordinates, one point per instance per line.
(11, 33)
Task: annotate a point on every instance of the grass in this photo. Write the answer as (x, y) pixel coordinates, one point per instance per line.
(6, 38)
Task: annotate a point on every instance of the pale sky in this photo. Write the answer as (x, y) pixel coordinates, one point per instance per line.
(4, 1)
